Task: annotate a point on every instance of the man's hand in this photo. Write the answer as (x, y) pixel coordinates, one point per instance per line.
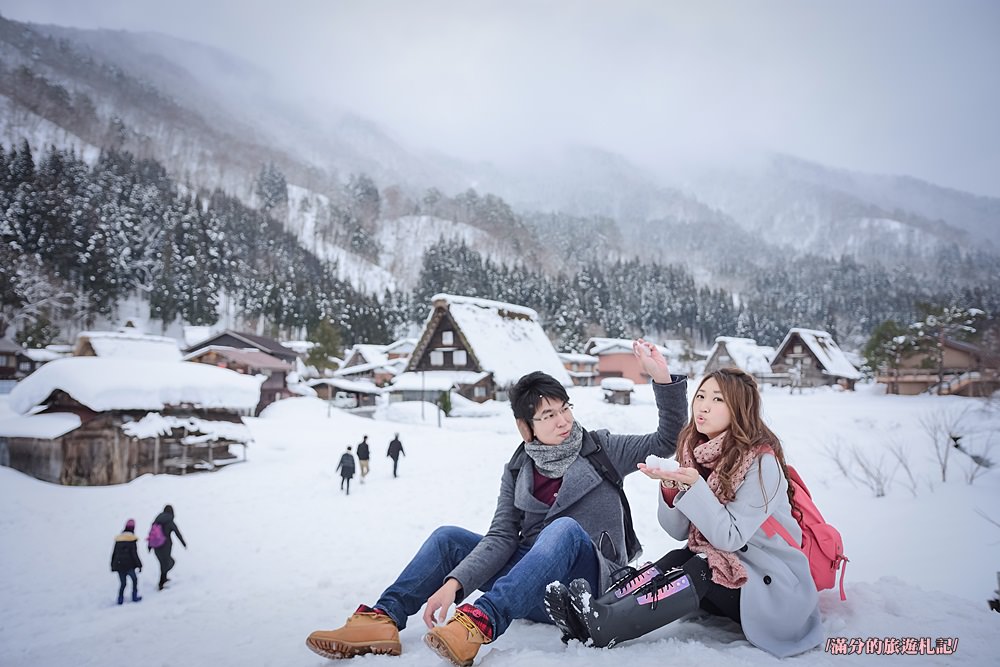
(436, 611)
(652, 361)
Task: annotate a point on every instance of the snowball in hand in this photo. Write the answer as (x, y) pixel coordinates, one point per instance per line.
(660, 463)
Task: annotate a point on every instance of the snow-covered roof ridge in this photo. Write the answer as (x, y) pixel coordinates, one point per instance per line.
(198, 430)
(7, 345)
(371, 353)
(578, 357)
(343, 384)
(485, 303)
(393, 366)
(130, 384)
(45, 426)
(811, 332)
(127, 334)
(128, 344)
(830, 356)
(746, 354)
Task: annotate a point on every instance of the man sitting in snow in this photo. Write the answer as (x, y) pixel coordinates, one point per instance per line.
(557, 518)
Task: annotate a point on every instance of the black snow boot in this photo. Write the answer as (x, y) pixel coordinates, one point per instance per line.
(629, 580)
(557, 606)
(663, 600)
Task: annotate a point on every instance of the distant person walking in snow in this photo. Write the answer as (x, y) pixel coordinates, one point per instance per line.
(364, 453)
(160, 542)
(346, 468)
(534, 538)
(125, 561)
(395, 449)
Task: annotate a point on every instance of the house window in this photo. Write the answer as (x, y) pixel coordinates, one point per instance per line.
(25, 366)
(6, 360)
(447, 338)
(797, 349)
(459, 358)
(479, 392)
(807, 362)
(437, 358)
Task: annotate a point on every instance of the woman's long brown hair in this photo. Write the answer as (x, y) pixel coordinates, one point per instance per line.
(747, 430)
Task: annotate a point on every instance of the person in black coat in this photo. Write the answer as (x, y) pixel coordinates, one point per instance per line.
(364, 453)
(395, 449)
(346, 468)
(166, 521)
(125, 560)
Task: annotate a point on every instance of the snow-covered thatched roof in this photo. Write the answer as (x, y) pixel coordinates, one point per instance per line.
(831, 358)
(44, 355)
(577, 358)
(198, 430)
(367, 354)
(47, 426)
(389, 366)
(9, 346)
(127, 345)
(130, 384)
(745, 354)
(356, 386)
(617, 384)
(506, 338)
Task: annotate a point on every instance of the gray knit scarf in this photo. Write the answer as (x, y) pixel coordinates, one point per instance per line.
(553, 460)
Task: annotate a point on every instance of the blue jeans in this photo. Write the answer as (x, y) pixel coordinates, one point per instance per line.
(121, 579)
(563, 552)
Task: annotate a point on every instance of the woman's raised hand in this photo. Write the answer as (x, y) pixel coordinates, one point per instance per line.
(652, 361)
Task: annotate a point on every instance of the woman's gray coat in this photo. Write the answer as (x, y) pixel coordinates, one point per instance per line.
(584, 495)
(779, 605)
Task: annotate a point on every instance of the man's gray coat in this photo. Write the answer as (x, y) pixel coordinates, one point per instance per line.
(584, 495)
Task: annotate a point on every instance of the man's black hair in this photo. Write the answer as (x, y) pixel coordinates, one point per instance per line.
(528, 392)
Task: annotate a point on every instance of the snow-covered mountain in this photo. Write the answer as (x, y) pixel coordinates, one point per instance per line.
(213, 120)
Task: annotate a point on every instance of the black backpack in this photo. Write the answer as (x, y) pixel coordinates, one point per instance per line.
(602, 464)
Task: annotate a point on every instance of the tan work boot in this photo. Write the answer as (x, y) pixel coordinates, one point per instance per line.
(460, 638)
(366, 631)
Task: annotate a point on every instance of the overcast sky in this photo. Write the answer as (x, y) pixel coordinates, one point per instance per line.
(905, 86)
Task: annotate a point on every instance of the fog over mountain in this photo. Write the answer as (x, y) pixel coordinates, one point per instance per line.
(371, 201)
(877, 87)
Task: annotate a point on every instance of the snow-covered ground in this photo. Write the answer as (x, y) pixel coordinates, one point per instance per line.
(276, 550)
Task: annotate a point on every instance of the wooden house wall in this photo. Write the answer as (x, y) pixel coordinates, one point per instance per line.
(440, 323)
(469, 390)
(99, 453)
(812, 371)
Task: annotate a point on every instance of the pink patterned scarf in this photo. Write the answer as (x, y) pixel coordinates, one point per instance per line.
(726, 567)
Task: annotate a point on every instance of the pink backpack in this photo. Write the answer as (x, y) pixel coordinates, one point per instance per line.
(821, 542)
(156, 538)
